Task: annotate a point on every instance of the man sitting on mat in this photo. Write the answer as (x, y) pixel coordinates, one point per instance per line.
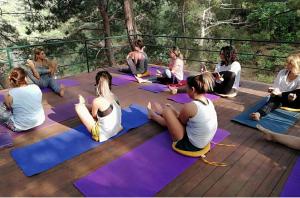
(103, 117)
(196, 124)
(137, 61)
(286, 89)
(22, 108)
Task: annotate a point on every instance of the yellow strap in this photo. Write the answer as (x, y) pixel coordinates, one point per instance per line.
(221, 144)
(214, 163)
(290, 109)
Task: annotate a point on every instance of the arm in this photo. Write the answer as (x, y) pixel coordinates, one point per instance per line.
(8, 100)
(30, 64)
(188, 111)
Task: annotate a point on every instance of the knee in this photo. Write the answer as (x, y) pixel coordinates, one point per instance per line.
(168, 73)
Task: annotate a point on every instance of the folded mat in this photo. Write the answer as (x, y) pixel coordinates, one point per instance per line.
(184, 98)
(142, 172)
(291, 187)
(154, 87)
(278, 121)
(47, 153)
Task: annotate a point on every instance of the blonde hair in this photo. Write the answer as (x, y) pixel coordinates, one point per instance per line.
(294, 60)
(177, 52)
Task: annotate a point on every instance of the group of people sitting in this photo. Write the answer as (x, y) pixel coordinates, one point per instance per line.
(192, 128)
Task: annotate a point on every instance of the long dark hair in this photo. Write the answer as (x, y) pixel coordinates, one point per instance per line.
(229, 55)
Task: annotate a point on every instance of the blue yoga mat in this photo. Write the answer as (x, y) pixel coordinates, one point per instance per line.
(48, 153)
(278, 120)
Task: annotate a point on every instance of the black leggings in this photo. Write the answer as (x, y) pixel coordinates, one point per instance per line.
(225, 87)
(278, 101)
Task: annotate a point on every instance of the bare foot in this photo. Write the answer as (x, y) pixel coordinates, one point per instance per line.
(62, 91)
(150, 111)
(255, 116)
(173, 90)
(268, 135)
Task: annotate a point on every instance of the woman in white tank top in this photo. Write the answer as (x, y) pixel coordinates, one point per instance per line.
(104, 121)
(196, 124)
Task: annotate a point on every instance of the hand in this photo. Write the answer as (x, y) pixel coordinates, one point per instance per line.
(292, 97)
(276, 92)
(270, 89)
(81, 99)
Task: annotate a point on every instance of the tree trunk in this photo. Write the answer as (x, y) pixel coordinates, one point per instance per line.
(106, 30)
(183, 5)
(130, 22)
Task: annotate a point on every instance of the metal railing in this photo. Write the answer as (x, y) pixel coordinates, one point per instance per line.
(76, 56)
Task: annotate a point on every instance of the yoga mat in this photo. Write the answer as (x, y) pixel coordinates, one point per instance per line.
(65, 82)
(5, 140)
(142, 172)
(278, 121)
(117, 81)
(154, 87)
(41, 156)
(291, 187)
(183, 98)
(152, 70)
(53, 115)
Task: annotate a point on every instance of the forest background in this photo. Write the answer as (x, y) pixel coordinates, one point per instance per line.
(87, 34)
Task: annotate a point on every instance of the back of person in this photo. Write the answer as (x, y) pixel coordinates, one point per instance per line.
(27, 107)
(110, 124)
(202, 127)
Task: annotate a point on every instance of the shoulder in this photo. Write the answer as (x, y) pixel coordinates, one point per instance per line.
(236, 64)
(190, 108)
(282, 72)
(30, 62)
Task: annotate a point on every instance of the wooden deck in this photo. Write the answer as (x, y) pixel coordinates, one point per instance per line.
(257, 167)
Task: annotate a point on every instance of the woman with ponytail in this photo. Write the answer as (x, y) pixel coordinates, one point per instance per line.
(103, 117)
(22, 108)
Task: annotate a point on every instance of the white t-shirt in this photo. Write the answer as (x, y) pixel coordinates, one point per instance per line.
(202, 127)
(27, 108)
(176, 68)
(235, 67)
(283, 84)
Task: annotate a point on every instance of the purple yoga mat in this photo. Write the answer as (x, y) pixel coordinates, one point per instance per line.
(152, 70)
(184, 98)
(5, 139)
(53, 115)
(117, 81)
(142, 172)
(154, 87)
(65, 82)
(292, 185)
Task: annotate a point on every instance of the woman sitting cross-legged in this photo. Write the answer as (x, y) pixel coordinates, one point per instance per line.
(227, 72)
(286, 89)
(103, 118)
(196, 124)
(22, 108)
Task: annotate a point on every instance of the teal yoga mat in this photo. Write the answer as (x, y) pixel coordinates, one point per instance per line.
(278, 120)
(48, 153)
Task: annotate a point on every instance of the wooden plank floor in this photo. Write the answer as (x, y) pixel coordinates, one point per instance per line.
(257, 167)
